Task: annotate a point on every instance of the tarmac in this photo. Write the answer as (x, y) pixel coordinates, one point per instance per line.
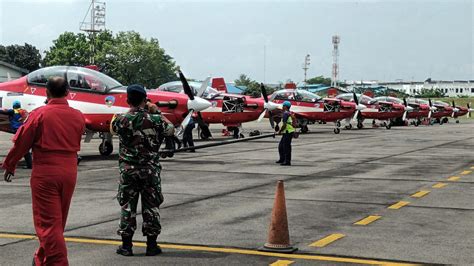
(370, 196)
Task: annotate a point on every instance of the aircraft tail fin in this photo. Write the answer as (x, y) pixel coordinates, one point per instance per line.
(219, 84)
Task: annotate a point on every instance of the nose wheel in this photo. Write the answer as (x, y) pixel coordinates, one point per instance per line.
(106, 148)
(337, 130)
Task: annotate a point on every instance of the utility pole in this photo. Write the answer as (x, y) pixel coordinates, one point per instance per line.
(306, 66)
(96, 13)
(335, 65)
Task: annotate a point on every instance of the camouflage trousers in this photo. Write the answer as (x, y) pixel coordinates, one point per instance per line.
(133, 183)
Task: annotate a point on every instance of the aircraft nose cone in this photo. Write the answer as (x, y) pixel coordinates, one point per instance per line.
(456, 110)
(198, 104)
(270, 106)
(361, 107)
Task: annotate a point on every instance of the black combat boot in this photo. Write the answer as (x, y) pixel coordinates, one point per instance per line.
(126, 248)
(152, 249)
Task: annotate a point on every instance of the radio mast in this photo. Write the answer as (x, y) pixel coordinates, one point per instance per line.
(306, 66)
(93, 22)
(335, 65)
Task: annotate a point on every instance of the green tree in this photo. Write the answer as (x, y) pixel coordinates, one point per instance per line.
(319, 80)
(430, 93)
(24, 56)
(252, 87)
(127, 56)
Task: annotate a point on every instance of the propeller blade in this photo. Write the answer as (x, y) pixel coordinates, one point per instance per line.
(187, 89)
(431, 104)
(264, 92)
(262, 115)
(186, 120)
(404, 115)
(454, 105)
(272, 122)
(203, 87)
(356, 115)
(405, 102)
(355, 98)
(429, 114)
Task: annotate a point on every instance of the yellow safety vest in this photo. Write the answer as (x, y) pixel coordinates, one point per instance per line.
(289, 125)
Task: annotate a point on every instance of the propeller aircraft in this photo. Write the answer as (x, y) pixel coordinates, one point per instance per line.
(96, 95)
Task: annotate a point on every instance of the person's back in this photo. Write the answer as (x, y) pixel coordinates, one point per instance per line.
(63, 126)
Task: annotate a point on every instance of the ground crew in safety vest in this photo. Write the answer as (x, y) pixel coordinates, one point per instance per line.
(287, 130)
(17, 117)
(141, 133)
(55, 142)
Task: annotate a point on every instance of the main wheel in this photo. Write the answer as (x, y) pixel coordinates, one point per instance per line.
(337, 130)
(304, 129)
(338, 124)
(349, 126)
(445, 120)
(388, 126)
(204, 136)
(106, 148)
(360, 125)
(457, 121)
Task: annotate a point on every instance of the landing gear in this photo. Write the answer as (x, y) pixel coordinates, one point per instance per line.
(348, 127)
(337, 130)
(388, 125)
(203, 131)
(457, 121)
(417, 122)
(106, 148)
(445, 120)
(360, 125)
(304, 129)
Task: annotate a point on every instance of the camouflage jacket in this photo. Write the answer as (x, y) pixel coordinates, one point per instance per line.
(141, 134)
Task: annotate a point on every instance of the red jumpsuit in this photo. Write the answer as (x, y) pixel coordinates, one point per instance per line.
(54, 133)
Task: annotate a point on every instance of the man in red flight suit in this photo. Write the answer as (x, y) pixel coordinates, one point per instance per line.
(54, 133)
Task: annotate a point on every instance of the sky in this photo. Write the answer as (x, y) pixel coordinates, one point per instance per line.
(268, 40)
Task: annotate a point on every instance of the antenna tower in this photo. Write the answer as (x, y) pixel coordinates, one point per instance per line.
(306, 66)
(93, 22)
(335, 54)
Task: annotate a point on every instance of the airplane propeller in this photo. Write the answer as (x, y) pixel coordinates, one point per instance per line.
(407, 109)
(455, 109)
(359, 107)
(195, 104)
(268, 106)
(431, 108)
(469, 110)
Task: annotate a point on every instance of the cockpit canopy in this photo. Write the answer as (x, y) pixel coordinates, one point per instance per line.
(177, 86)
(295, 95)
(389, 99)
(79, 78)
(363, 99)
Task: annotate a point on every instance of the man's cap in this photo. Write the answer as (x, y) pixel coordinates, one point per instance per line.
(16, 104)
(287, 104)
(136, 88)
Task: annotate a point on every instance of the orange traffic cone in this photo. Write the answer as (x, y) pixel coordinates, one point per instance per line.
(278, 236)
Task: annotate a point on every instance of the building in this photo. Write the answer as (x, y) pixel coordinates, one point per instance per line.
(451, 88)
(10, 72)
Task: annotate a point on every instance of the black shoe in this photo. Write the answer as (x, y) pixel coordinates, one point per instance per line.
(285, 164)
(153, 250)
(79, 159)
(124, 251)
(279, 161)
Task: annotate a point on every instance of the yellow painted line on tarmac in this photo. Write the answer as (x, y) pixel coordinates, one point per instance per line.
(369, 219)
(466, 172)
(420, 194)
(282, 263)
(453, 178)
(398, 205)
(222, 250)
(439, 185)
(327, 240)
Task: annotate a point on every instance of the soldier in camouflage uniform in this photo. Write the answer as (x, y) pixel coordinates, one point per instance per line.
(140, 132)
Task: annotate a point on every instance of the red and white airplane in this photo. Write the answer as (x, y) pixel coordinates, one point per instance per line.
(96, 95)
(376, 110)
(310, 108)
(228, 109)
(461, 111)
